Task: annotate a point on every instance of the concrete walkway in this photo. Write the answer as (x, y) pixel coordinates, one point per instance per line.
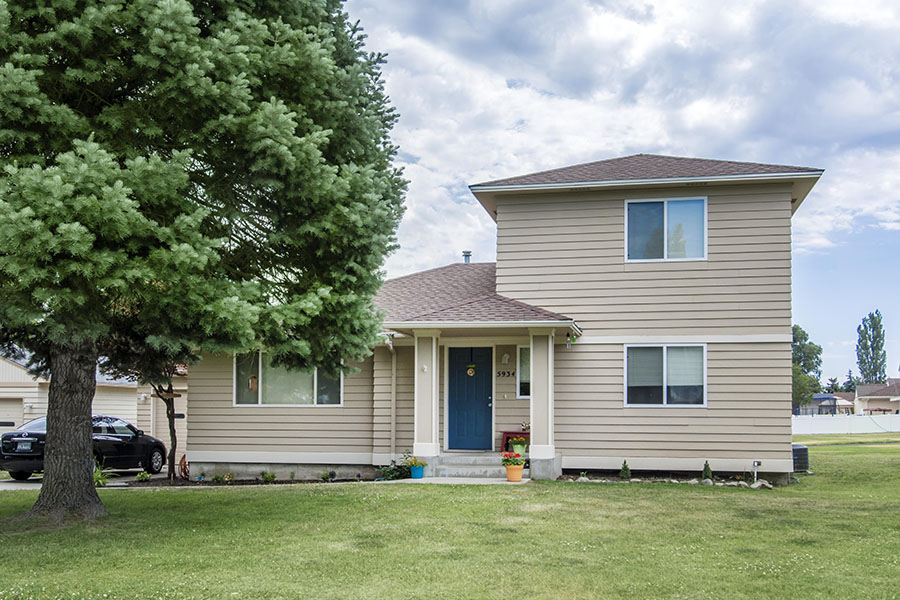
(460, 481)
(118, 480)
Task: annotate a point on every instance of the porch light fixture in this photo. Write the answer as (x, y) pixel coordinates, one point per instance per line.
(505, 358)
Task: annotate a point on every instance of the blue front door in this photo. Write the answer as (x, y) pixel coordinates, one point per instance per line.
(469, 389)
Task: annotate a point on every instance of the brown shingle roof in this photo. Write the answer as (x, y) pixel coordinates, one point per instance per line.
(646, 166)
(427, 291)
(493, 308)
(880, 390)
(454, 293)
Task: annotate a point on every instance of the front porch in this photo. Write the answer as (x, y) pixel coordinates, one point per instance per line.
(470, 384)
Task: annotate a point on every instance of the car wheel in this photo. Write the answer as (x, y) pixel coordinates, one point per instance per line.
(156, 461)
(20, 475)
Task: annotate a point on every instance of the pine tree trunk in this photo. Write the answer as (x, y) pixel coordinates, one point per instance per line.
(67, 490)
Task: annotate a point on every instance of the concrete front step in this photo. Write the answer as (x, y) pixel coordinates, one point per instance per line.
(473, 471)
(482, 458)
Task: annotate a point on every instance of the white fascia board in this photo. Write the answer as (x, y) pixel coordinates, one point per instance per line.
(645, 182)
(481, 324)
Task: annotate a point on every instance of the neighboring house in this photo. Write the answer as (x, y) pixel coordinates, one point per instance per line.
(878, 398)
(639, 310)
(829, 403)
(23, 398)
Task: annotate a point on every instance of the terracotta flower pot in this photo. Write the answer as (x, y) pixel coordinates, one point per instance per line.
(514, 472)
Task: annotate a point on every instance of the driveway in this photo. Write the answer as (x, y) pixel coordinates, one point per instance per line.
(117, 479)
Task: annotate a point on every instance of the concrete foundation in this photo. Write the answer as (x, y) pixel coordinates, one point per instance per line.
(546, 468)
(304, 472)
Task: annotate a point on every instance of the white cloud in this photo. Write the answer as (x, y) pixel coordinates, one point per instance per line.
(489, 90)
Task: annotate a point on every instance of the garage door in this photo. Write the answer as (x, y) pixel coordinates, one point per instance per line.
(161, 424)
(10, 412)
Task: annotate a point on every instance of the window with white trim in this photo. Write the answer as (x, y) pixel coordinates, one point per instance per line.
(523, 372)
(666, 229)
(258, 382)
(665, 375)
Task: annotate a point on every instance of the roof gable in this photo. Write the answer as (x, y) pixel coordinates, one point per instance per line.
(648, 171)
(646, 166)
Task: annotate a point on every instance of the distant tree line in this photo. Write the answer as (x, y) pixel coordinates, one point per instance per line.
(871, 358)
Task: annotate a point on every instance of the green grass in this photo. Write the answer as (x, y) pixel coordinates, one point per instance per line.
(836, 534)
(856, 438)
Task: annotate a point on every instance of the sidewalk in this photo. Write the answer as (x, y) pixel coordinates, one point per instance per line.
(34, 483)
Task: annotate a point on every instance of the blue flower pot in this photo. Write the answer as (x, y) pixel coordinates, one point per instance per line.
(417, 472)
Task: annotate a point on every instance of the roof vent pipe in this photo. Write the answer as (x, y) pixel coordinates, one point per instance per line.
(467, 256)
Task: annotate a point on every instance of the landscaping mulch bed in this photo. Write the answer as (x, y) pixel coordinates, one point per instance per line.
(235, 482)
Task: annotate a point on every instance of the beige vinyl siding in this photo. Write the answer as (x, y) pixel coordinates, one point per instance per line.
(382, 400)
(881, 403)
(116, 401)
(27, 394)
(13, 373)
(161, 423)
(152, 415)
(747, 414)
(509, 411)
(144, 419)
(10, 412)
(566, 253)
(217, 425)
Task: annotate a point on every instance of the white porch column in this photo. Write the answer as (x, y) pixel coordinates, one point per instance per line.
(425, 406)
(542, 443)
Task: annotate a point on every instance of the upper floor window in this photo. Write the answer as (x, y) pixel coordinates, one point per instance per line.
(258, 382)
(665, 375)
(666, 229)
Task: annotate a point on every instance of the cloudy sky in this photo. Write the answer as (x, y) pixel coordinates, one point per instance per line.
(488, 89)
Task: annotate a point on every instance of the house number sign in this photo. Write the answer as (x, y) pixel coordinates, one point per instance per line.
(506, 373)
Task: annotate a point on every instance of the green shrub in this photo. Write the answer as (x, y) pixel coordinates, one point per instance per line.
(707, 472)
(101, 475)
(267, 477)
(625, 471)
(394, 470)
(218, 479)
(142, 476)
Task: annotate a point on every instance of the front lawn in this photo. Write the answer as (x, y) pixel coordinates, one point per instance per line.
(834, 535)
(850, 438)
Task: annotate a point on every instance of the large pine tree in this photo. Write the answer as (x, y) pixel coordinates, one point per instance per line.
(183, 176)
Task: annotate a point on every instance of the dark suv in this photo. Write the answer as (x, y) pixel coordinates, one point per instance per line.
(117, 444)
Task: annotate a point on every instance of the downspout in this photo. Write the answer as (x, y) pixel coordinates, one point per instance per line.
(390, 343)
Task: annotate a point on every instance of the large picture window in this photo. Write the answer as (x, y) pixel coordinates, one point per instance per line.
(666, 229)
(523, 372)
(665, 375)
(258, 382)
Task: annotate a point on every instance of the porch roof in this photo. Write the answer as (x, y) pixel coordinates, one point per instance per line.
(459, 296)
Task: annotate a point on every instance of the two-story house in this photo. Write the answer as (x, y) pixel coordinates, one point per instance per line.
(639, 310)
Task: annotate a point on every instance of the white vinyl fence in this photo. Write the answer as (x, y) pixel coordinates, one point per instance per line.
(816, 424)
